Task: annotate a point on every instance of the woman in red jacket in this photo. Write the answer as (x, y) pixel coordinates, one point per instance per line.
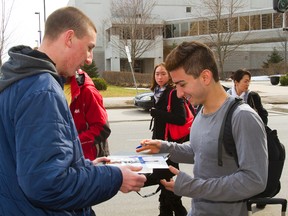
(89, 115)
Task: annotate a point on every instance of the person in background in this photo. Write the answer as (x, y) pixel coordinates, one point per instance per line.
(42, 167)
(215, 190)
(162, 86)
(89, 114)
(242, 79)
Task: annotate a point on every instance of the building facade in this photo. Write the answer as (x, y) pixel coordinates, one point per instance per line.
(253, 23)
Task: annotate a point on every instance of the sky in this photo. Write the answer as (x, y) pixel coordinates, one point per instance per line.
(23, 24)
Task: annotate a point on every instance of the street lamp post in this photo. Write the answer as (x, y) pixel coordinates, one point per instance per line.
(44, 3)
(39, 27)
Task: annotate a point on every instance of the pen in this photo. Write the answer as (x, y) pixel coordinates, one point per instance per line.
(138, 146)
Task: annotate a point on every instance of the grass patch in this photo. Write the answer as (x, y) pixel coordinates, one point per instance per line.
(117, 91)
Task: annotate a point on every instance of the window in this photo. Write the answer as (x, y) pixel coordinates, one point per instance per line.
(168, 31)
(176, 30)
(193, 29)
(125, 34)
(223, 25)
(233, 24)
(277, 20)
(244, 23)
(157, 31)
(255, 23)
(203, 27)
(108, 35)
(213, 27)
(188, 9)
(184, 29)
(266, 21)
(148, 33)
(115, 31)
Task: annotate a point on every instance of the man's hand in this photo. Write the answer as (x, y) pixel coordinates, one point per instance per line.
(170, 185)
(152, 145)
(132, 181)
(100, 160)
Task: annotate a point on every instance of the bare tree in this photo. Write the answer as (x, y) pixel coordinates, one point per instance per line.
(221, 23)
(5, 16)
(133, 25)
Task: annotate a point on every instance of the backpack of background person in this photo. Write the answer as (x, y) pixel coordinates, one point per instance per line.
(276, 152)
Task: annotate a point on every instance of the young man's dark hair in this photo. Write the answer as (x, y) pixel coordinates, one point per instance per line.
(193, 57)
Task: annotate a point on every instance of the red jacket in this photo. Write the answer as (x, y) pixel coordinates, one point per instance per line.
(90, 116)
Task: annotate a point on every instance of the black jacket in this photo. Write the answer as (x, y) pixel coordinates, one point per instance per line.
(254, 100)
(161, 116)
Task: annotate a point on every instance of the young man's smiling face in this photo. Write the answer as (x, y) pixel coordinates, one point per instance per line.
(187, 86)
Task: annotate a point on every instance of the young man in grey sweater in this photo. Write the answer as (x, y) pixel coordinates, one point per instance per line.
(215, 190)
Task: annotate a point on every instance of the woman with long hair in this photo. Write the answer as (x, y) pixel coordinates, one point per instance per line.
(162, 85)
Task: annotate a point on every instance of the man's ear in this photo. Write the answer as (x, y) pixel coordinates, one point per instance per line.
(69, 35)
(206, 76)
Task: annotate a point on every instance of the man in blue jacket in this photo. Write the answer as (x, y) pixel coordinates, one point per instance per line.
(42, 168)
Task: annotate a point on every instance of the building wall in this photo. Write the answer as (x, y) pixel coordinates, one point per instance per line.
(98, 11)
(248, 56)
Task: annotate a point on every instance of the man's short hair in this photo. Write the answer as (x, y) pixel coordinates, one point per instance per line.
(67, 18)
(193, 57)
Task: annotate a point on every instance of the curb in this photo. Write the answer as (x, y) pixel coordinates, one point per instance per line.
(119, 105)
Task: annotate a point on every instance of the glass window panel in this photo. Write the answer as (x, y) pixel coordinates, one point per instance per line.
(168, 31)
(175, 30)
(148, 33)
(184, 29)
(203, 27)
(213, 26)
(233, 24)
(223, 25)
(266, 21)
(277, 20)
(255, 22)
(244, 23)
(193, 29)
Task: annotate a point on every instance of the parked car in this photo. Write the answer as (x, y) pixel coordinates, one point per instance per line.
(144, 100)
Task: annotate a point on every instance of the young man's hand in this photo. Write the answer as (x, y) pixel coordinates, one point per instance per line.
(152, 145)
(169, 185)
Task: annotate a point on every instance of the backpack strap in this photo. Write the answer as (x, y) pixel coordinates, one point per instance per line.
(168, 110)
(169, 101)
(225, 136)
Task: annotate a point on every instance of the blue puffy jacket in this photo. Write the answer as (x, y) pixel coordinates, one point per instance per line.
(42, 168)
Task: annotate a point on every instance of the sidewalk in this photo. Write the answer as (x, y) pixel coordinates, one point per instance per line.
(118, 102)
(274, 98)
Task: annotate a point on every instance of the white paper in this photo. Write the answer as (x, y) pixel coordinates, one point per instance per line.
(147, 162)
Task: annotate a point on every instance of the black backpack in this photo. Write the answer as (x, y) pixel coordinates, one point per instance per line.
(276, 152)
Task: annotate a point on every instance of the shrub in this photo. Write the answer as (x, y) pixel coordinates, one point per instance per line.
(100, 83)
(125, 79)
(274, 57)
(284, 80)
(91, 69)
